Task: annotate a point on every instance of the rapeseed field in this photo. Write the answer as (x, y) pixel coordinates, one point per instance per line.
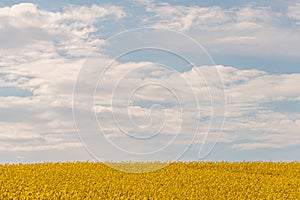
(180, 180)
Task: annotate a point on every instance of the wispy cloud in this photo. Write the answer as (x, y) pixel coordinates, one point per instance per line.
(294, 12)
(243, 29)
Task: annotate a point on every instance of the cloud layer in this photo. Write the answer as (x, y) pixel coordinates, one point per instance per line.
(42, 51)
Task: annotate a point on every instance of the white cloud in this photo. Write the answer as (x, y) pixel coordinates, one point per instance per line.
(246, 119)
(294, 12)
(240, 30)
(247, 90)
(18, 136)
(32, 148)
(26, 30)
(250, 146)
(49, 75)
(184, 18)
(266, 88)
(32, 41)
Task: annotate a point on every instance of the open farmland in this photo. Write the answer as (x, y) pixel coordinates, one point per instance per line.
(192, 180)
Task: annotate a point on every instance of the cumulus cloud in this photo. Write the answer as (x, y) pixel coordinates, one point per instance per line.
(247, 116)
(28, 32)
(36, 46)
(246, 119)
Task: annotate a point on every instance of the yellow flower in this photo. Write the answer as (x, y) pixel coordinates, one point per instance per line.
(180, 180)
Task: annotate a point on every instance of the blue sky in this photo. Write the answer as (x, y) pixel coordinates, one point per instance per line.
(235, 97)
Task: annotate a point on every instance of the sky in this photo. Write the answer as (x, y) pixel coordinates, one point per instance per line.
(149, 80)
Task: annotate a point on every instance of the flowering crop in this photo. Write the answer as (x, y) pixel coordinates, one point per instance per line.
(180, 180)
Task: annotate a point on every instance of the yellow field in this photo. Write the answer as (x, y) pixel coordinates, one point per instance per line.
(208, 180)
